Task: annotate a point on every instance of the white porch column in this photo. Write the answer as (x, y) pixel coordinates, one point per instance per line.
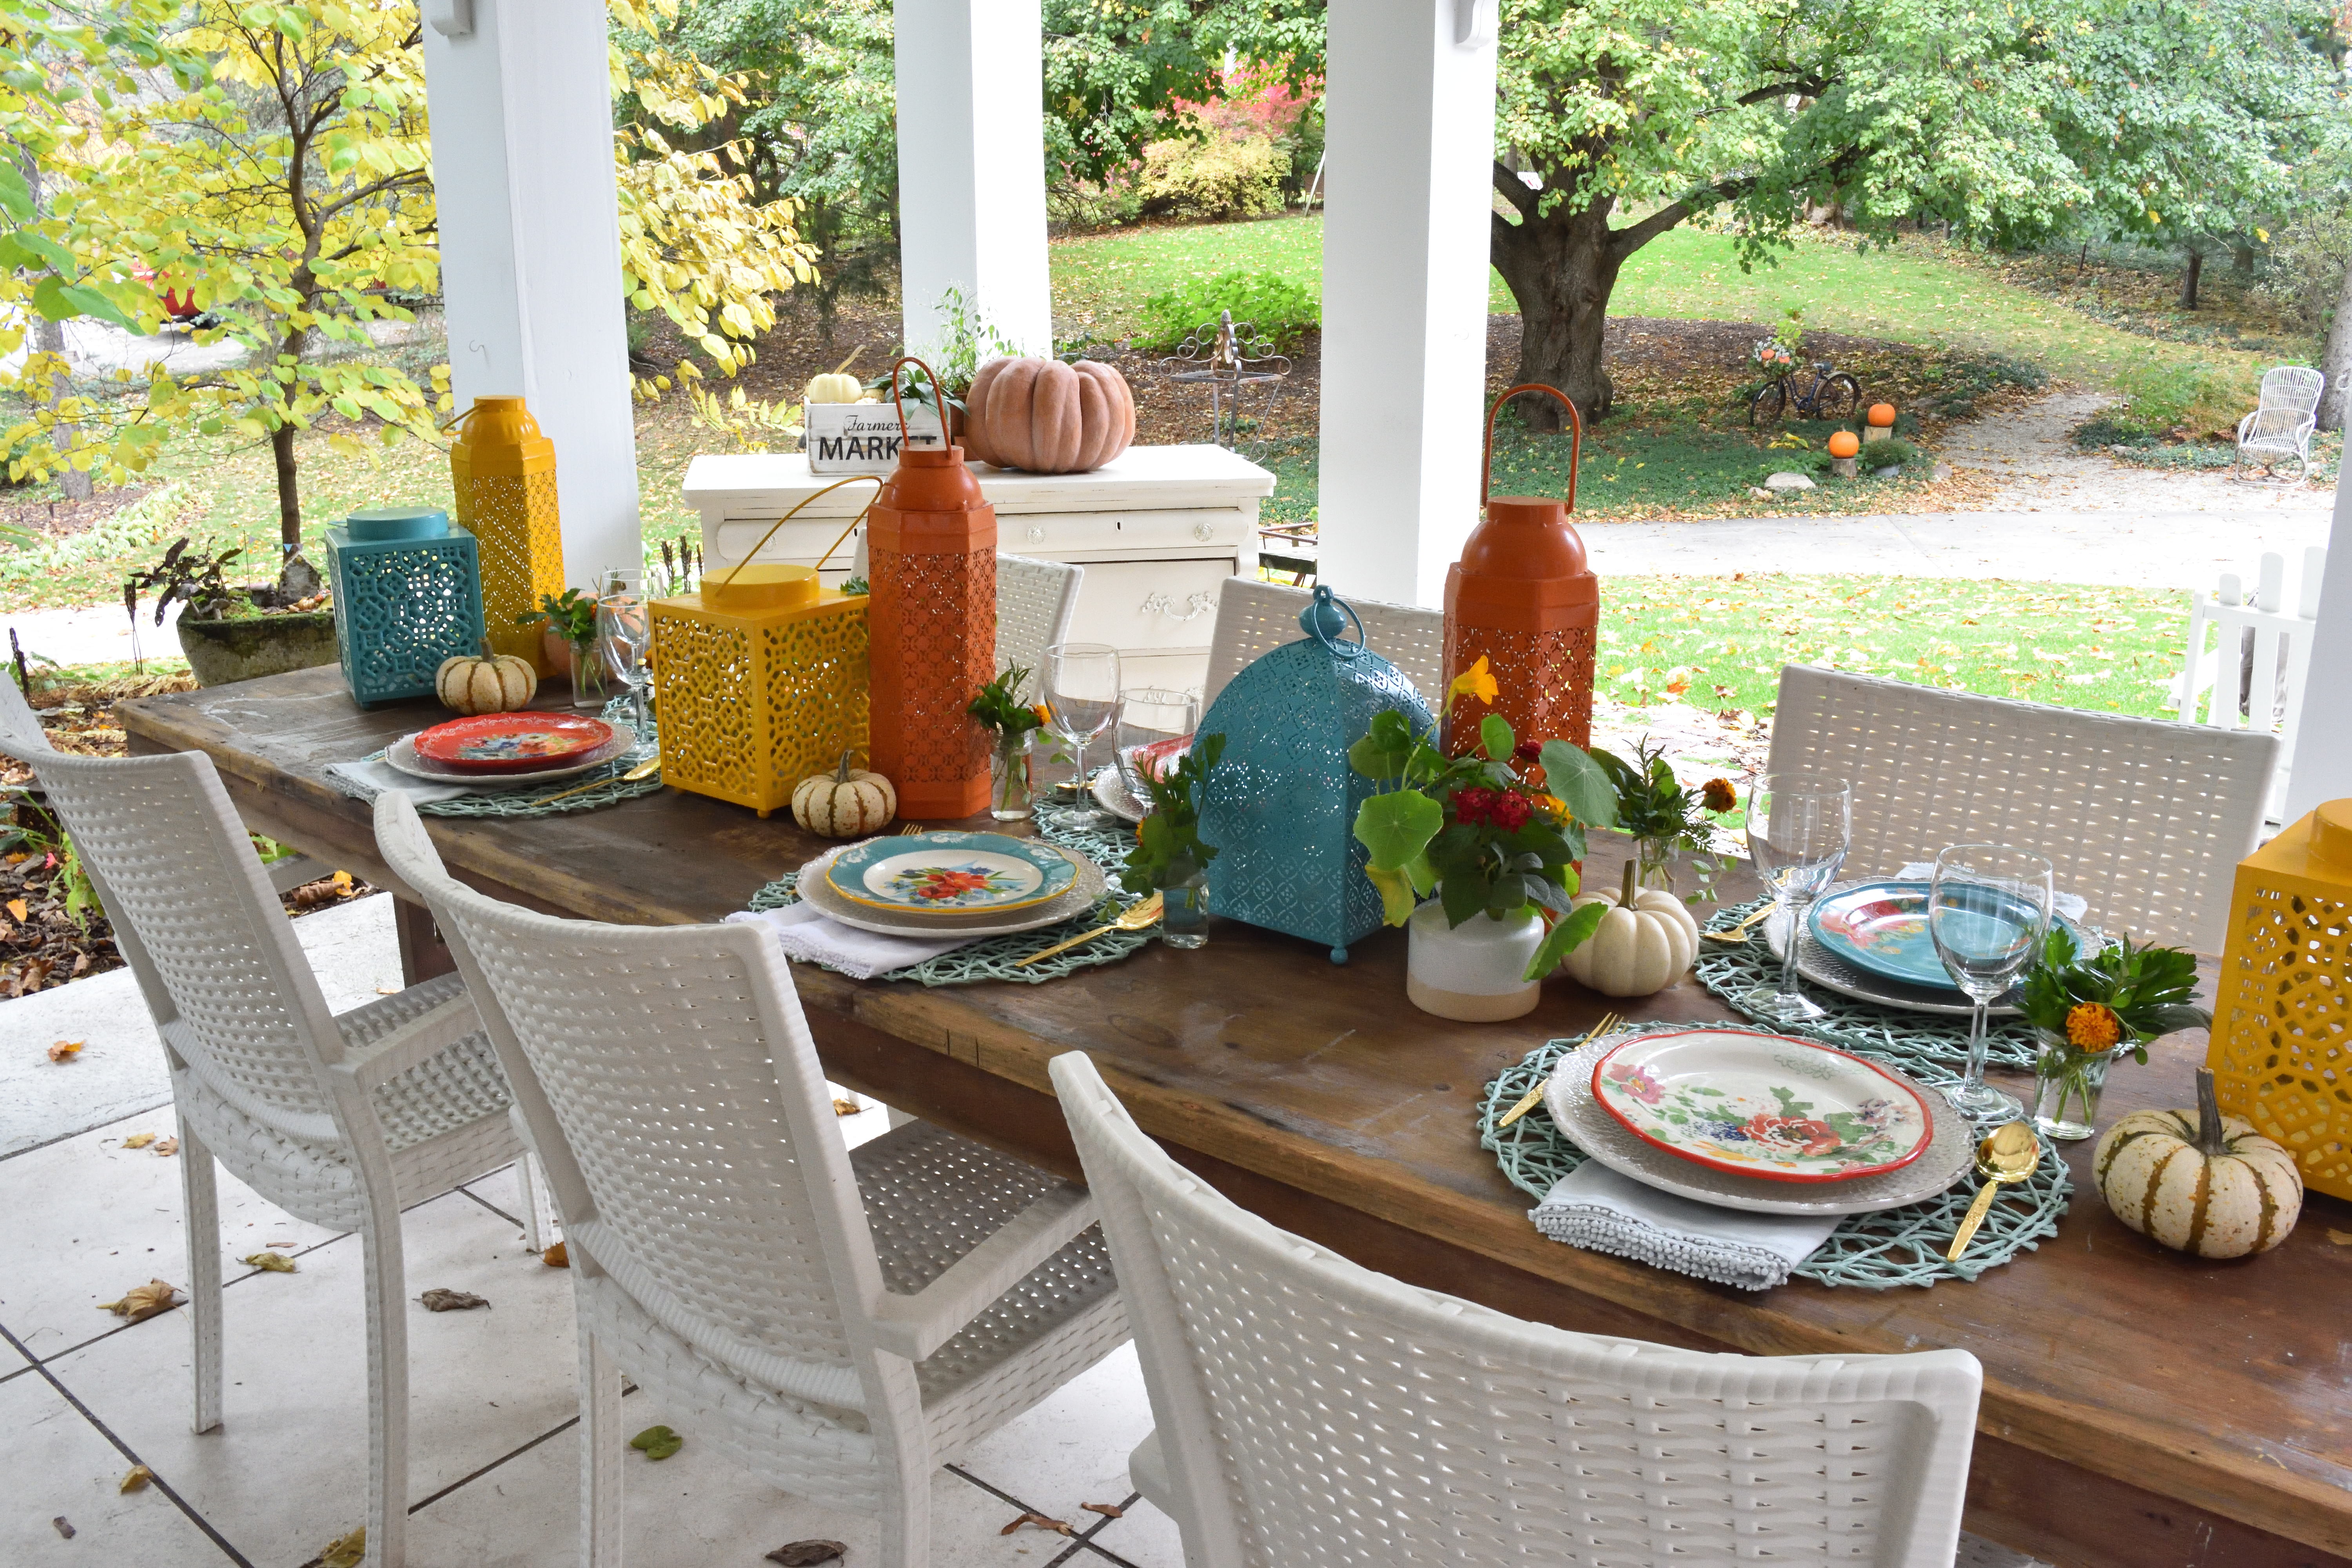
(1410, 114)
(2322, 766)
(971, 167)
(530, 246)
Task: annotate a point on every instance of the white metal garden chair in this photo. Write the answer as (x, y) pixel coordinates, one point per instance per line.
(2144, 818)
(2280, 427)
(1035, 602)
(841, 1324)
(1313, 1413)
(342, 1119)
(1254, 618)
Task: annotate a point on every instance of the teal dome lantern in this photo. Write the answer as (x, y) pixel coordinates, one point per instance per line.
(1281, 805)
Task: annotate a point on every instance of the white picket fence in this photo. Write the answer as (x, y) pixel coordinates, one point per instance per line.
(2247, 663)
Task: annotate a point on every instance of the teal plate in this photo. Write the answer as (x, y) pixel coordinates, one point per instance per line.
(950, 873)
(1883, 927)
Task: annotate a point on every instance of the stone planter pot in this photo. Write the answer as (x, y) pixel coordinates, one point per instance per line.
(1471, 972)
(222, 653)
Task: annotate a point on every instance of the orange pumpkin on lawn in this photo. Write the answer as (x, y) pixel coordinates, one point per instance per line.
(1882, 415)
(1844, 444)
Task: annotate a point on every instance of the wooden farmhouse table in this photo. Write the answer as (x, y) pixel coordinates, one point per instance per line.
(2140, 1408)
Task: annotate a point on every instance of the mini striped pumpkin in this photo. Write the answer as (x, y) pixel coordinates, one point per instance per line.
(2225, 1194)
(848, 803)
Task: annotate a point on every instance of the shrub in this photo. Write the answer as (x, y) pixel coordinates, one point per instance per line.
(2306, 272)
(1223, 178)
(1279, 309)
(1082, 207)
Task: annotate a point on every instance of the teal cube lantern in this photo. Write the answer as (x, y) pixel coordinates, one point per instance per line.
(408, 594)
(1281, 804)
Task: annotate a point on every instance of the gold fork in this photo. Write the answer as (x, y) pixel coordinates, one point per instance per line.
(1740, 932)
(1136, 918)
(644, 770)
(913, 830)
(1609, 1024)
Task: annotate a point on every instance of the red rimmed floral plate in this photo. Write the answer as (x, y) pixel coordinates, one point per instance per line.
(512, 743)
(1763, 1105)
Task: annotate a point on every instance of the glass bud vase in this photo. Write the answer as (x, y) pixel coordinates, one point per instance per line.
(590, 683)
(1184, 913)
(1008, 777)
(2066, 1087)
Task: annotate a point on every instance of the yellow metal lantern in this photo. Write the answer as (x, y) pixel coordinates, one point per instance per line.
(2281, 1050)
(503, 470)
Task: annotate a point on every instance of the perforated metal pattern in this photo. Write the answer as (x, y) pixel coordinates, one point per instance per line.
(2282, 1052)
(400, 609)
(1546, 680)
(751, 704)
(933, 647)
(513, 518)
(816, 676)
(703, 680)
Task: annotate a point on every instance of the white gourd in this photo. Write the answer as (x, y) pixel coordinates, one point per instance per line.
(2235, 1193)
(493, 683)
(1645, 944)
(848, 803)
(834, 387)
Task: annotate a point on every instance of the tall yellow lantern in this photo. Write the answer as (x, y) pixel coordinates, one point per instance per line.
(2281, 1050)
(503, 470)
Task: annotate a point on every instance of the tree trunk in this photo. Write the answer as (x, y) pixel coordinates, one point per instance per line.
(1561, 268)
(2336, 361)
(289, 497)
(2188, 279)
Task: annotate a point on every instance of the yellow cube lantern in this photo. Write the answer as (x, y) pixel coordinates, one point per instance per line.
(2281, 1050)
(760, 680)
(503, 471)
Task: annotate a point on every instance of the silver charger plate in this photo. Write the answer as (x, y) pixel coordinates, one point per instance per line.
(401, 756)
(1568, 1098)
(1112, 794)
(1082, 895)
(1831, 972)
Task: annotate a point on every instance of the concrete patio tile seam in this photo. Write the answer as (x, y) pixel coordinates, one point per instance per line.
(158, 1481)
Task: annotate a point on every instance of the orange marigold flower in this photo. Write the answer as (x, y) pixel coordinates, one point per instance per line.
(2093, 1027)
(1715, 794)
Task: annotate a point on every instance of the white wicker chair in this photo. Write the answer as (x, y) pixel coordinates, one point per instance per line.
(1311, 1412)
(2146, 818)
(720, 1251)
(2280, 427)
(1254, 618)
(1035, 602)
(340, 1119)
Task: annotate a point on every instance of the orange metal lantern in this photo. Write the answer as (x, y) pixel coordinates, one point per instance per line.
(930, 549)
(1523, 598)
(502, 469)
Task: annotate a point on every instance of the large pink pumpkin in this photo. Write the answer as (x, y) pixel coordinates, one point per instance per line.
(1046, 417)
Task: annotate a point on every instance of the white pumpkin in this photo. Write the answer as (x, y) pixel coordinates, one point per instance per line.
(847, 803)
(834, 387)
(1645, 944)
(2224, 1196)
(493, 683)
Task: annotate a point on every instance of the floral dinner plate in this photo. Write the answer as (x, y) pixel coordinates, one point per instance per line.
(1763, 1105)
(1881, 927)
(512, 743)
(950, 873)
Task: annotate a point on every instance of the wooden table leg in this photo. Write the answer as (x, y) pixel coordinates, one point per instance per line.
(423, 953)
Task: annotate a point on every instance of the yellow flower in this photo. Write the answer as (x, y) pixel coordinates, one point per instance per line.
(1554, 804)
(2093, 1027)
(1716, 796)
(1475, 681)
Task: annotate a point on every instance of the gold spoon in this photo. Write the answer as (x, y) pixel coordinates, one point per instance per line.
(2008, 1154)
(1136, 918)
(644, 770)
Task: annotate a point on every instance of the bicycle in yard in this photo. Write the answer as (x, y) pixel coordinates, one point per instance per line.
(1831, 394)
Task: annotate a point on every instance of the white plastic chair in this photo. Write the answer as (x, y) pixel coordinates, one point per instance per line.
(841, 1324)
(1254, 618)
(340, 1119)
(1311, 1412)
(2280, 427)
(1035, 602)
(2146, 818)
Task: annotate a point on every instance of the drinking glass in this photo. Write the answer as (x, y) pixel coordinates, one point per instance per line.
(1988, 910)
(1081, 693)
(621, 633)
(1148, 716)
(1799, 826)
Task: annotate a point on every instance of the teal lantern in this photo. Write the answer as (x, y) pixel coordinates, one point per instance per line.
(1281, 805)
(408, 594)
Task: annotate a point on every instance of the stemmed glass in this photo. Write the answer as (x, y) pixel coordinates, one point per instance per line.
(1081, 693)
(1148, 716)
(622, 632)
(1799, 826)
(1988, 910)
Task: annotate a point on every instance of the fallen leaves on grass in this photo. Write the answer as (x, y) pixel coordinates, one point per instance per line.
(1059, 1527)
(20, 909)
(657, 1442)
(345, 1551)
(137, 1479)
(807, 1553)
(439, 1301)
(142, 1302)
(66, 1050)
(1107, 1509)
(555, 1256)
(139, 1140)
(269, 1262)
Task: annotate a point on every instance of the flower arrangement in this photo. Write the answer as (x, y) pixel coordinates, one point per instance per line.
(571, 617)
(1664, 815)
(1010, 722)
(2089, 1009)
(1168, 850)
(1474, 829)
(1771, 355)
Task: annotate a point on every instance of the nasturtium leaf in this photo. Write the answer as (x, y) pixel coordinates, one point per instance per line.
(1569, 934)
(1582, 785)
(1396, 827)
(1495, 735)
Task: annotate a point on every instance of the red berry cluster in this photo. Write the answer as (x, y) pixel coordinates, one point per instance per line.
(1496, 809)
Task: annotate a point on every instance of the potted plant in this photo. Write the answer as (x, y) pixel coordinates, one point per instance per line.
(568, 624)
(1169, 854)
(231, 633)
(1012, 725)
(2087, 1011)
(1494, 856)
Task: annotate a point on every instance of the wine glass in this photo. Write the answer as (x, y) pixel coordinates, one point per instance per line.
(1799, 826)
(623, 633)
(1988, 911)
(1150, 716)
(1081, 693)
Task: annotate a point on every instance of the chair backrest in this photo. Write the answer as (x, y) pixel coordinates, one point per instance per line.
(1035, 602)
(1311, 1412)
(2291, 387)
(196, 922)
(1254, 618)
(671, 1088)
(2144, 818)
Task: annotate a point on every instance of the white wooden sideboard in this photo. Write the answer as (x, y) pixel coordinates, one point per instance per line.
(1158, 530)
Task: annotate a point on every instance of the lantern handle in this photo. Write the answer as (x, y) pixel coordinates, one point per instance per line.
(898, 401)
(780, 522)
(1575, 444)
(1340, 647)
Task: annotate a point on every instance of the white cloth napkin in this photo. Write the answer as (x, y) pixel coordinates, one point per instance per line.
(368, 779)
(2071, 905)
(1600, 1210)
(806, 934)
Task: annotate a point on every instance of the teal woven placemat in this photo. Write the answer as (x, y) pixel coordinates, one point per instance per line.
(1932, 1048)
(999, 957)
(1873, 1251)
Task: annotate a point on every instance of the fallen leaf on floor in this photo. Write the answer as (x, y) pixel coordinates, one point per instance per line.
(388, 990)
(846, 1108)
(66, 1050)
(806, 1554)
(439, 1301)
(139, 1140)
(556, 1258)
(2340, 1238)
(269, 1262)
(144, 1302)
(166, 1147)
(137, 1479)
(342, 880)
(345, 1551)
(1107, 1509)
(18, 908)
(62, 1527)
(657, 1442)
(1059, 1527)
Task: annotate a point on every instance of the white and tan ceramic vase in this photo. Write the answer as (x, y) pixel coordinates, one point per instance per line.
(1471, 972)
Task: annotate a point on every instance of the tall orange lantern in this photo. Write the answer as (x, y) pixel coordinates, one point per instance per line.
(931, 549)
(503, 471)
(1523, 598)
